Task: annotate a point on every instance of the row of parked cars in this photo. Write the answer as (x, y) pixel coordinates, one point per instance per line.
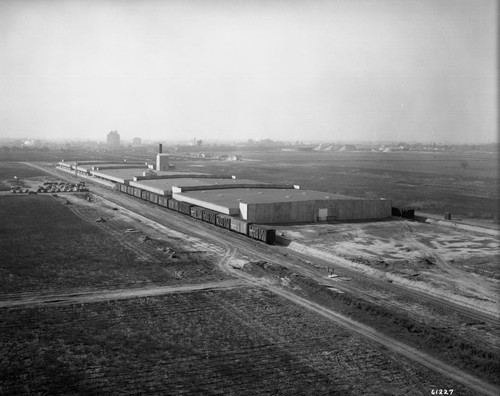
(20, 190)
(55, 187)
(52, 187)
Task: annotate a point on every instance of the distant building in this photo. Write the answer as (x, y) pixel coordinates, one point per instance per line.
(349, 147)
(113, 139)
(136, 141)
(162, 160)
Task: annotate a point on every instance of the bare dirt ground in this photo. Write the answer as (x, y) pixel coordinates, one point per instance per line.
(458, 264)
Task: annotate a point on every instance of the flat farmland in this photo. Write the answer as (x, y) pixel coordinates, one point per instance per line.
(465, 184)
(242, 341)
(10, 170)
(49, 244)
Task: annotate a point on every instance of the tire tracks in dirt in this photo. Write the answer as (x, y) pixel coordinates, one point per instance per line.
(116, 294)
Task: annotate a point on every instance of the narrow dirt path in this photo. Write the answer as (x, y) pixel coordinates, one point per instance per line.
(120, 294)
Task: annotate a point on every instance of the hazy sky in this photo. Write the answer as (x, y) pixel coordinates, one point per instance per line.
(285, 70)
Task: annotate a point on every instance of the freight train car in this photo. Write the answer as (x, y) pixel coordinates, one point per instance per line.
(209, 216)
(196, 212)
(153, 198)
(173, 204)
(258, 232)
(262, 233)
(223, 221)
(239, 226)
(185, 208)
(163, 201)
(137, 192)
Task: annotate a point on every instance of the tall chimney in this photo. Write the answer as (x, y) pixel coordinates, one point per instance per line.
(159, 148)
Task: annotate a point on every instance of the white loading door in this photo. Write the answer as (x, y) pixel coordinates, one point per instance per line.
(322, 214)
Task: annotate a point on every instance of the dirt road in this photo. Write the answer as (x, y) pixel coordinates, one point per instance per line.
(27, 300)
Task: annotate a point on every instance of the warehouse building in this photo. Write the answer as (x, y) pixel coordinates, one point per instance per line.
(88, 167)
(277, 206)
(192, 183)
(248, 200)
(118, 175)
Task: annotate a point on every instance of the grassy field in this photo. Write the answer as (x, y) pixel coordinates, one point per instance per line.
(244, 341)
(9, 170)
(464, 184)
(46, 247)
(428, 333)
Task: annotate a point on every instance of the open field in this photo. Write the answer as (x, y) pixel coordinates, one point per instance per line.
(9, 170)
(469, 344)
(49, 245)
(464, 184)
(243, 341)
(85, 326)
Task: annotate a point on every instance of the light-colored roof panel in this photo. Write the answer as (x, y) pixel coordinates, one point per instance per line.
(106, 165)
(234, 196)
(167, 184)
(126, 173)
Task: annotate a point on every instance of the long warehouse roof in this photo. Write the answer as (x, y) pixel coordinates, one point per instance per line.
(166, 185)
(231, 198)
(119, 175)
(107, 166)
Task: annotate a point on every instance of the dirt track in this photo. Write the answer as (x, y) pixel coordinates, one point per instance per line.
(103, 295)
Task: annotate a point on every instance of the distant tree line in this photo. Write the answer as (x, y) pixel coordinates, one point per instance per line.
(8, 149)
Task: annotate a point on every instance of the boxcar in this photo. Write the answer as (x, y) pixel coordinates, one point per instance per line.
(223, 221)
(208, 216)
(153, 198)
(173, 204)
(262, 233)
(185, 208)
(145, 195)
(137, 192)
(163, 201)
(123, 188)
(239, 226)
(196, 212)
